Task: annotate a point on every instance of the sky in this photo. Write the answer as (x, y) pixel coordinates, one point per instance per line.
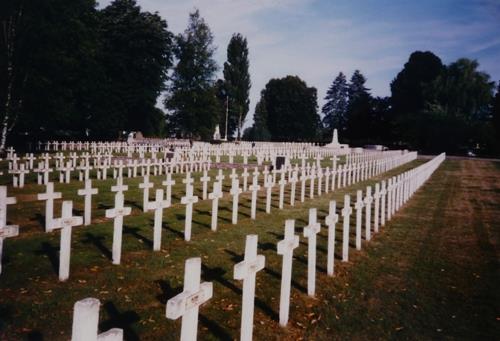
(316, 39)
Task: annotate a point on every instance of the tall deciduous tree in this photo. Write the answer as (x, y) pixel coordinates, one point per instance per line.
(237, 79)
(335, 108)
(289, 107)
(136, 54)
(192, 103)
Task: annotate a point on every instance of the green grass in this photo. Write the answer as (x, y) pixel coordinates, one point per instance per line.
(433, 261)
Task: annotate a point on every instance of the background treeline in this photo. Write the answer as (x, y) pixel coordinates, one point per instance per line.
(71, 70)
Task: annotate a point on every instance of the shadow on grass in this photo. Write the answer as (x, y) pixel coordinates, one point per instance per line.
(180, 234)
(134, 231)
(91, 238)
(52, 253)
(123, 320)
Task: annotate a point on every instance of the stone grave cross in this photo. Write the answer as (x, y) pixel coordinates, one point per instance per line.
(310, 232)
(87, 192)
(49, 196)
(331, 220)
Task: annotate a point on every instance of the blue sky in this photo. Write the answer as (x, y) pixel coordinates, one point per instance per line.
(316, 39)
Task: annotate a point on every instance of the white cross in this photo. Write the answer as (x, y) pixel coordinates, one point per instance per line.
(119, 188)
(285, 248)
(189, 199)
(346, 213)
(204, 180)
(254, 188)
(158, 205)
(368, 211)
(246, 270)
(6, 231)
(376, 211)
(358, 206)
(235, 192)
(49, 196)
(303, 178)
(268, 184)
(86, 320)
(65, 223)
(145, 185)
(310, 232)
(215, 196)
(87, 192)
(220, 177)
(245, 175)
(168, 183)
(117, 213)
(331, 220)
(188, 302)
(282, 184)
(293, 181)
(383, 193)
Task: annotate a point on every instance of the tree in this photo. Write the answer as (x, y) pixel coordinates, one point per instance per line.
(359, 108)
(192, 103)
(496, 115)
(289, 108)
(136, 53)
(237, 81)
(461, 99)
(259, 130)
(49, 53)
(335, 108)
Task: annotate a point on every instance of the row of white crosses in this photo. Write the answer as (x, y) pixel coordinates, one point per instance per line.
(196, 293)
(67, 221)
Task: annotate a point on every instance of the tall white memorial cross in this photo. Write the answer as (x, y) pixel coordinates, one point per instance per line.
(188, 302)
(189, 199)
(310, 232)
(254, 187)
(235, 192)
(246, 270)
(145, 185)
(268, 184)
(282, 184)
(303, 178)
(285, 248)
(368, 211)
(86, 320)
(49, 196)
(215, 196)
(220, 177)
(245, 176)
(293, 181)
(6, 231)
(117, 213)
(331, 220)
(87, 192)
(204, 180)
(168, 183)
(65, 223)
(383, 201)
(358, 206)
(376, 211)
(158, 205)
(346, 214)
(119, 188)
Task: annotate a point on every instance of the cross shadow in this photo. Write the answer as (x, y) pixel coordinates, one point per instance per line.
(102, 206)
(267, 246)
(40, 219)
(200, 212)
(120, 320)
(180, 234)
(199, 223)
(52, 253)
(216, 274)
(134, 232)
(133, 203)
(91, 238)
(295, 284)
(167, 291)
(214, 328)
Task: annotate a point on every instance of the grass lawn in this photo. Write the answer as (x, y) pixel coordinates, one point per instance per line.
(432, 271)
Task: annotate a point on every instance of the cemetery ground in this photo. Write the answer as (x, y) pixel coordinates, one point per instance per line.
(431, 272)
